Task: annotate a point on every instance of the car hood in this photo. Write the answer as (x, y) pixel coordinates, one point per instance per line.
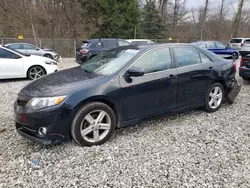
(60, 83)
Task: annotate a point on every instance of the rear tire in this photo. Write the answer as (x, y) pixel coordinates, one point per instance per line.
(93, 124)
(214, 97)
(235, 56)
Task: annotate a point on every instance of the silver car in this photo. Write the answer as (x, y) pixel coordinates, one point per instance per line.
(33, 50)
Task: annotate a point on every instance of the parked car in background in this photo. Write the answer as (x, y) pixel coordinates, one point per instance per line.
(219, 49)
(140, 41)
(237, 43)
(245, 48)
(15, 64)
(120, 87)
(93, 47)
(244, 69)
(33, 50)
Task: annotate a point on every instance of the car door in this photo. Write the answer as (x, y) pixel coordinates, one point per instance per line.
(195, 72)
(152, 93)
(33, 50)
(11, 64)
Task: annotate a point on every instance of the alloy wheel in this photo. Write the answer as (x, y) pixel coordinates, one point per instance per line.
(36, 72)
(215, 97)
(95, 126)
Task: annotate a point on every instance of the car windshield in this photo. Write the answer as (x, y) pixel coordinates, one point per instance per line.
(236, 41)
(109, 62)
(18, 52)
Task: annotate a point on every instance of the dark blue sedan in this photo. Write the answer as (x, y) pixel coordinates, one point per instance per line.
(219, 49)
(120, 87)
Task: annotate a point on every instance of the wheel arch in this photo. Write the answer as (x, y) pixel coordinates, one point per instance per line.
(35, 66)
(101, 99)
(223, 83)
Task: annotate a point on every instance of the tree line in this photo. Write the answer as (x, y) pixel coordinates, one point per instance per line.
(152, 19)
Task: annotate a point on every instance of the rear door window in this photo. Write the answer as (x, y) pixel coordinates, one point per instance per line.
(16, 46)
(235, 40)
(109, 44)
(96, 45)
(220, 45)
(186, 56)
(210, 45)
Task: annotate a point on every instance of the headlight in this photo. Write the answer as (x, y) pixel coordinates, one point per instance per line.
(50, 62)
(39, 103)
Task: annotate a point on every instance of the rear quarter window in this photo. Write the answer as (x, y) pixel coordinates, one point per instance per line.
(235, 40)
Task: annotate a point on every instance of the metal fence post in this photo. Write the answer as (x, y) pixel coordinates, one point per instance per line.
(40, 43)
(2, 41)
(75, 47)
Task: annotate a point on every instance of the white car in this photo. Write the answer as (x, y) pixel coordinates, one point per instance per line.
(139, 41)
(237, 43)
(14, 64)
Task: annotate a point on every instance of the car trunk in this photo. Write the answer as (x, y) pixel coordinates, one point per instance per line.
(236, 43)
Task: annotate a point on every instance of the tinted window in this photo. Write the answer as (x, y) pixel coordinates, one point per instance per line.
(220, 45)
(210, 45)
(235, 40)
(29, 47)
(186, 56)
(16, 46)
(7, 54)
(123, 43)
(96, 44)
(205, 59)
(109, 44)
(247, 42)
(155, 60)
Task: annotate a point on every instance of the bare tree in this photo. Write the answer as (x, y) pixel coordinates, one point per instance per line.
(237, 19)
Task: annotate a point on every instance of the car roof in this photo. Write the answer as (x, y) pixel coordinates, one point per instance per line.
(102, 39)
(138, 40)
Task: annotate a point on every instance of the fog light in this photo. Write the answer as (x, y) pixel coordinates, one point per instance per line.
(42, 130)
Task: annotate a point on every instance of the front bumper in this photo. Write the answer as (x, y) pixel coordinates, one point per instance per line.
(51, 69)
(55, 120)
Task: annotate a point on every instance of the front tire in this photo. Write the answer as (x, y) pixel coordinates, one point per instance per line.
(35, 72)
(214, 97)
(93, 124)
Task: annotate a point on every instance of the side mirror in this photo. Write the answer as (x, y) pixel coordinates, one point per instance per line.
(135, 72)
(37, 49)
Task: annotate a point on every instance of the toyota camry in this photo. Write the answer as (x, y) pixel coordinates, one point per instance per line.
(121, 87)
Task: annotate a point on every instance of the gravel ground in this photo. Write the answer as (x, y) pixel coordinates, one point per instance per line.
(192, 149)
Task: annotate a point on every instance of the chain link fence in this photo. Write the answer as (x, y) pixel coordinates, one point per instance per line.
(65, 47)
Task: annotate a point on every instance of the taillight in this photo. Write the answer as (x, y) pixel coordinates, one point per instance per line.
(234, 64)
(84, 51)
(244, 61)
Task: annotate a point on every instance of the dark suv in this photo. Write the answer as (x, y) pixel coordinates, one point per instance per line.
(93, 47)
